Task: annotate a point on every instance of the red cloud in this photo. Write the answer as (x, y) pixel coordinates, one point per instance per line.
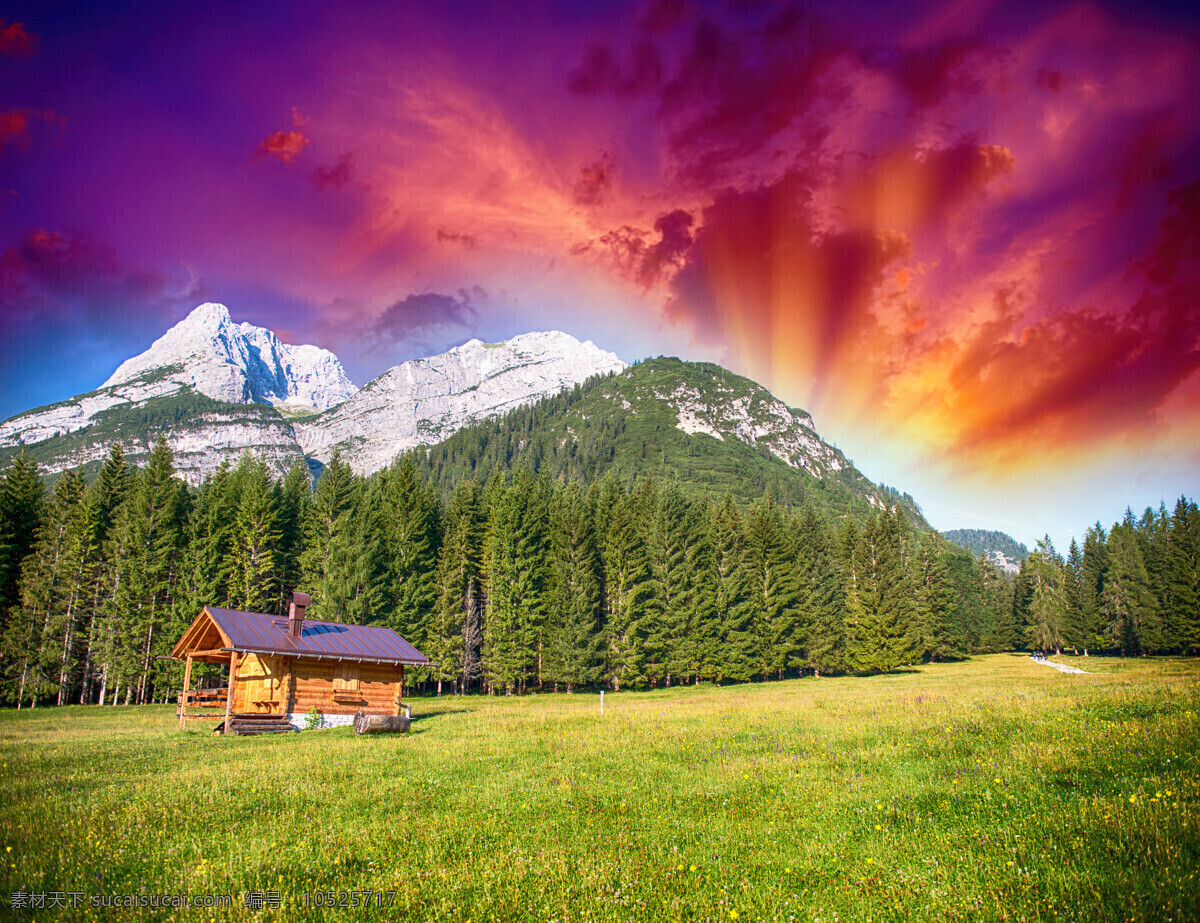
(336, 176)
(286, 145)
(16, 125)
(594, 182)
(15, 41)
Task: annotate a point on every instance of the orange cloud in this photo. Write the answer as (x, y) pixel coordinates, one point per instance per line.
(286, 145)
(298, 119)
(907, 188)
(15, 41)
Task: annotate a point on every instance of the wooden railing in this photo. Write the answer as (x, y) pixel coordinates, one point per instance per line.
(202, 698)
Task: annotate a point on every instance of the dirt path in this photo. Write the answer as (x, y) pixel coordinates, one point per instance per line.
(1065, 668)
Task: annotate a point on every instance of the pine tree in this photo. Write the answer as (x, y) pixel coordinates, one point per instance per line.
(573, 653)
(1048, 599)
(1093, 573)
(148, 538)
(774, 589)
(452, 638)
(1074, 621)
(257, 538)
(1127, 601)
(938, 635)
(1182, 613)
(49, 585)
(696, 628)
(737, 653)
(999, 631)
(517, 574)
(411, 521)
(291, 496)
(631, 602)
(669, 548)
(822, 596)
(342, 560)
(881, 612)
(94, 618)
(22, 506)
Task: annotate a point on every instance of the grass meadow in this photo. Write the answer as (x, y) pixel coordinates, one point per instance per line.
(995, 788)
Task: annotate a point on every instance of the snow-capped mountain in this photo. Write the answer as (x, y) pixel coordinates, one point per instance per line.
(425, 400)
(239, 364)
(217, 389)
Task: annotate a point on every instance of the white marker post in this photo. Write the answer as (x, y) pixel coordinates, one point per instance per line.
(602, 701)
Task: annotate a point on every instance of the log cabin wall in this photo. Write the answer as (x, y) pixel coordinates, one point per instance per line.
(261, 685)
(344, 687)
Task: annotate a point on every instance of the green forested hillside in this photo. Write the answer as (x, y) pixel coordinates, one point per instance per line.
(626, 426)
(981, 541)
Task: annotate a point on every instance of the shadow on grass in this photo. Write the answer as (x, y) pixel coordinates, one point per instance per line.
(421, 714)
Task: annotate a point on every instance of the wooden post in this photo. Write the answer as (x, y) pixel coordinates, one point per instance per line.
(399, 680)
(290, 702)
(233, 665)
(187, 681)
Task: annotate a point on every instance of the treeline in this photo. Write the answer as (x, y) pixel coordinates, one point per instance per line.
(517, 584)
(1132, 590)
(525, 582)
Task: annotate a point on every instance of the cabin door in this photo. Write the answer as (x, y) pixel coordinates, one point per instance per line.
(265, 683)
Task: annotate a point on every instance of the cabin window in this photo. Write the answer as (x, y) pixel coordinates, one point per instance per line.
(345, 678)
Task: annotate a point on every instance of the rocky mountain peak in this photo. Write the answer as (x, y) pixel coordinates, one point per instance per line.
(239, 363)
(425, 400)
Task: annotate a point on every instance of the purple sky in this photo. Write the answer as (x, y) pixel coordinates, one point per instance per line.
(964, 235)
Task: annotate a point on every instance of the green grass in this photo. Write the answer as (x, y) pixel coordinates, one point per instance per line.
(990, 789)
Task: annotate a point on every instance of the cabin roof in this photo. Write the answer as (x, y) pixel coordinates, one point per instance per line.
(258, 632)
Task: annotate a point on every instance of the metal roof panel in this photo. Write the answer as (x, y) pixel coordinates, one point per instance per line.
(259, 631)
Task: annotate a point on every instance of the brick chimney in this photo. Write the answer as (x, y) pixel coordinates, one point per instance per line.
(299, 603)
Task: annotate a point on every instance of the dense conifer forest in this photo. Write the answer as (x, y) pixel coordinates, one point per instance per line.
(530, 581)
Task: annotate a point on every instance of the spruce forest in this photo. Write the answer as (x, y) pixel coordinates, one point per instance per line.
(528, 583)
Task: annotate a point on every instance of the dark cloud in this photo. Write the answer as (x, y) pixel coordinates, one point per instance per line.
(597, 73)
(737, 88)
(76, 265)
(955, 172)
(600, 72)
(417, 315)
(71, 310)
(595, 181)
(467, 241)
(286, 145)
(636, 258)
(663, 15)
(675, 239)
(1148, 158)
(336, 176)
(929, 74)
(17, 125)
(16, 41)
(1049, 78)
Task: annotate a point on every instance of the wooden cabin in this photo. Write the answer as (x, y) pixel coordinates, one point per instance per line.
(281, 669)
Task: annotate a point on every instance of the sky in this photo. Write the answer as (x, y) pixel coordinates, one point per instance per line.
(964, 235)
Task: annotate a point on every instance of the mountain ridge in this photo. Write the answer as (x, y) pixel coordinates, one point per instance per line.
(216, 389)
(1004, 551)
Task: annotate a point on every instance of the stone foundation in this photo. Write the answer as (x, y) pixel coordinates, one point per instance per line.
(299, 720)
